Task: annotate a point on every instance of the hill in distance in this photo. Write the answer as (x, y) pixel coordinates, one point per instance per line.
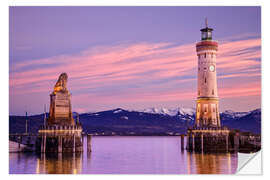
(148, 122)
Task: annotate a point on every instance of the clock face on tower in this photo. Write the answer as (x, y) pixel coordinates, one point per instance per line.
(212, 68)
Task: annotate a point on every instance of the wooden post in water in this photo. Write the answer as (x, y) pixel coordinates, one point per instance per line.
(89, 143)
(19, 142)
(182, 142)
(26, 123)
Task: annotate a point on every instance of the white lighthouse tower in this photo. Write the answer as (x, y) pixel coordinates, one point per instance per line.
(207, 114)
(207, 135)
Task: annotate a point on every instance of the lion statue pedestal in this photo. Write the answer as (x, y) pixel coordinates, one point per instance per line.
(60, 133)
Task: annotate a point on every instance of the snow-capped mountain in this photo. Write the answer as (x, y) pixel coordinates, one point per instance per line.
(151, 121)
(171, 112)
(178, 112)
(234, 114)
(117, 111)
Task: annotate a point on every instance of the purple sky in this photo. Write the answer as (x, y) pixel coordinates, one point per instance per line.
(131, 57)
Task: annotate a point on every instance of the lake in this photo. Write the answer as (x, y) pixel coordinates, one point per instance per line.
(126, 155)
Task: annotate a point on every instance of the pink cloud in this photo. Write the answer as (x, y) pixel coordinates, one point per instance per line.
(141, 72)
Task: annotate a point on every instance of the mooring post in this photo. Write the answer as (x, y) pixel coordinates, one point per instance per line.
(19, 141)
(182, 142)
(193, 142)
(202, 142)
(89, 143)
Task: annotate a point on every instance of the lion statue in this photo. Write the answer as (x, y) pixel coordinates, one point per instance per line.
(61, 84)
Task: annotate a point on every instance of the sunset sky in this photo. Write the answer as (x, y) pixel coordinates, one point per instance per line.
(131, 57)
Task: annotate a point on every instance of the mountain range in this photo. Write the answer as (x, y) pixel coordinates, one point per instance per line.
(151, 121)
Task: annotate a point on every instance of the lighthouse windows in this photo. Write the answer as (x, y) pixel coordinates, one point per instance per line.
(213, 92)
(204, 55)
(205, 80)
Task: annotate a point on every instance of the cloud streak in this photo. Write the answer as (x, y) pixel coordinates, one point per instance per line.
(146, 72)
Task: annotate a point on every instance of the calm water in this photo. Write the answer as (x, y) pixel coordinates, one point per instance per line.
(126, 155)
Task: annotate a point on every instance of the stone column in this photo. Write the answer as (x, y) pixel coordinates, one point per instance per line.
(227, 142)
(43, 146)
(193, 142)
(60, 144)
(45, 143)
(242, 140)
(202, 142)
(74, 143)
(182, 142)
(89, 143)
(187, 146)
(236, 142)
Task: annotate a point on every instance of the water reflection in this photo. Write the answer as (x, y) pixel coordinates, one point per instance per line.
(219, 163)
(126, 155)
(59, 163)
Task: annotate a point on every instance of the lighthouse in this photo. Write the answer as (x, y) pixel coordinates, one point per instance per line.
(207, 110)
(207, 134)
